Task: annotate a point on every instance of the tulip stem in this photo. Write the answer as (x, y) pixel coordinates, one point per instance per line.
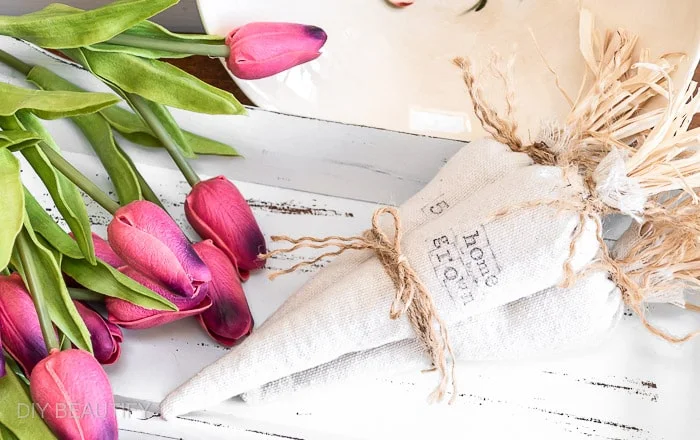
(15, 63)
(140, 105)
(183, 47)
(82, 182)
(31, 277)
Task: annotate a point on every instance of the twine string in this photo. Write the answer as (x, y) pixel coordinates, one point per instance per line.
(411, 298)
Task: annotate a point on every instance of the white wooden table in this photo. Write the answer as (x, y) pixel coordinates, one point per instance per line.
(305, 177)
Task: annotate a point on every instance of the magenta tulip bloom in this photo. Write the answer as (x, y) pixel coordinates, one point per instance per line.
(128, 315)
(229, 318)
(148, 240)
(259, 50)
(21, 331)
(73, 395)
(105, 336)
(218, 212)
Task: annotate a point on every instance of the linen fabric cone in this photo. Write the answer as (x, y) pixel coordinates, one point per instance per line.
(474, 166)
(522, 329)
(519, 254)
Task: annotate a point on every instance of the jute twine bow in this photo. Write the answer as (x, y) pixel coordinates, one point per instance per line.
(411, 297)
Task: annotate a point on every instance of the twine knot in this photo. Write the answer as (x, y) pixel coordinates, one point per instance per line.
(411, 297)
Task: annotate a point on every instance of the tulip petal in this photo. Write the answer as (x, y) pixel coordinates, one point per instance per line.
(128, 315)
(229, 319)
(400, 4)
(104, 252)
(147, 239)
(72, 392)
(259, 50)
(21, 331)
(219, 212)
(105, 339)
(256, 69)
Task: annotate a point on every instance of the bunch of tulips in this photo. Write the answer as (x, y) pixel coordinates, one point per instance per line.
(56, 286)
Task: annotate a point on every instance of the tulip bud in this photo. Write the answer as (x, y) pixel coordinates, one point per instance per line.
(128, 315)
(74, 397)
(259, 50)
(105, 336)
(229, 318)
(22, 335)
(218, 212)
(148, 240)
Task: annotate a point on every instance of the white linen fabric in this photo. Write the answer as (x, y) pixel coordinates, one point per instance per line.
(550, 321)
(492, 245)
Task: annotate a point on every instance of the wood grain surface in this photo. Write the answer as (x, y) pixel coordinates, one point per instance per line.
(212, 71)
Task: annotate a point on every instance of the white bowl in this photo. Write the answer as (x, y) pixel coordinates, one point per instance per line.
(391, 68)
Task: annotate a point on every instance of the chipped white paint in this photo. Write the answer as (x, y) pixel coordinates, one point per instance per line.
(633, 386)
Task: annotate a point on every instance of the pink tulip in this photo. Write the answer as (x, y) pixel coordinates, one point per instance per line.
(218, 212)
(128, 315)
(259, 50)
(73, 395)
(22, 335)
(148, 240)
(229, 318)
(105, 336)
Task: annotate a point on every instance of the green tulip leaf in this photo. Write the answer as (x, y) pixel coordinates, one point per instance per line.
(45, 226)
(65, 194)
(99, 134)
(6, 434)
(157, 81)
(16, 410)
(123, 177)
(59, 26)
(11, 204)
(17, 139)
(108, 281)
(132, 127)
(51, 105)
(42, 275)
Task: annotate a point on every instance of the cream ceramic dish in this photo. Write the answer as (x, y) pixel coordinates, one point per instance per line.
(391, 68)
